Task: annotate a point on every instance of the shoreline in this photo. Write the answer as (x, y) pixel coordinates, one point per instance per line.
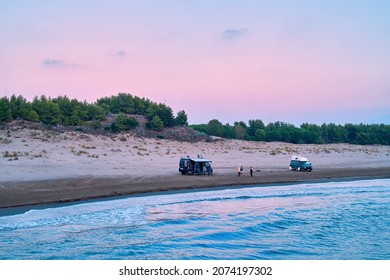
(51, 191)
(44, 167)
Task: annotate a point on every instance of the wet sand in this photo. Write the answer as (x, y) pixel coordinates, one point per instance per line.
(85, 188)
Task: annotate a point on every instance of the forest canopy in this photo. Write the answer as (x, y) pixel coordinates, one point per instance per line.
(70, 112)
(256, 130)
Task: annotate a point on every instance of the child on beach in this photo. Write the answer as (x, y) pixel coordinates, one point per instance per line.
(239, 170)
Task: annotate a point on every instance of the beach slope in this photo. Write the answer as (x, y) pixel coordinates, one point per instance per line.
(39, 166)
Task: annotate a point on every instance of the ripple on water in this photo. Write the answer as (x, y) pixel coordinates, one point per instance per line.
(343, 220)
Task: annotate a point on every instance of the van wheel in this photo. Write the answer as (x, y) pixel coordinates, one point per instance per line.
(299, 169)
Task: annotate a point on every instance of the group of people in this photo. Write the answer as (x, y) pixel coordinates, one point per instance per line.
(240, 169)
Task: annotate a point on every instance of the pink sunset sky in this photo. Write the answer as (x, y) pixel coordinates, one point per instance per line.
(292, 61)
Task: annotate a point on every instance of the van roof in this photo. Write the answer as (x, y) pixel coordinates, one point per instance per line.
(201, 160)
(300, 158)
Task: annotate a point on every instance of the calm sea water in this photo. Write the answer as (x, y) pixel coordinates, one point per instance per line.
(335, 220)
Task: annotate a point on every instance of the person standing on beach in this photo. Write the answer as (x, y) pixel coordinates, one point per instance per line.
(251, 171)
(239, 171)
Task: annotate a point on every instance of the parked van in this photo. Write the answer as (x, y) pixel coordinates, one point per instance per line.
(298, 163)
(195, 166)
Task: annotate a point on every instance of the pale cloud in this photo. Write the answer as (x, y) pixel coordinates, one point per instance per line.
(53, 62)
(234, 33)
(119, 53)
(59, 63)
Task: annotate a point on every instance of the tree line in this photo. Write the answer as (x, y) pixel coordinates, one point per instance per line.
(70, 112)
(122, 107)
(256, 130)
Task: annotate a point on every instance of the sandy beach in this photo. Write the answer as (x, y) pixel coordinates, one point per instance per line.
(39, 167)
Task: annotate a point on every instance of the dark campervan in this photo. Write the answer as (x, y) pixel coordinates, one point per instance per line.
(195, 166)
